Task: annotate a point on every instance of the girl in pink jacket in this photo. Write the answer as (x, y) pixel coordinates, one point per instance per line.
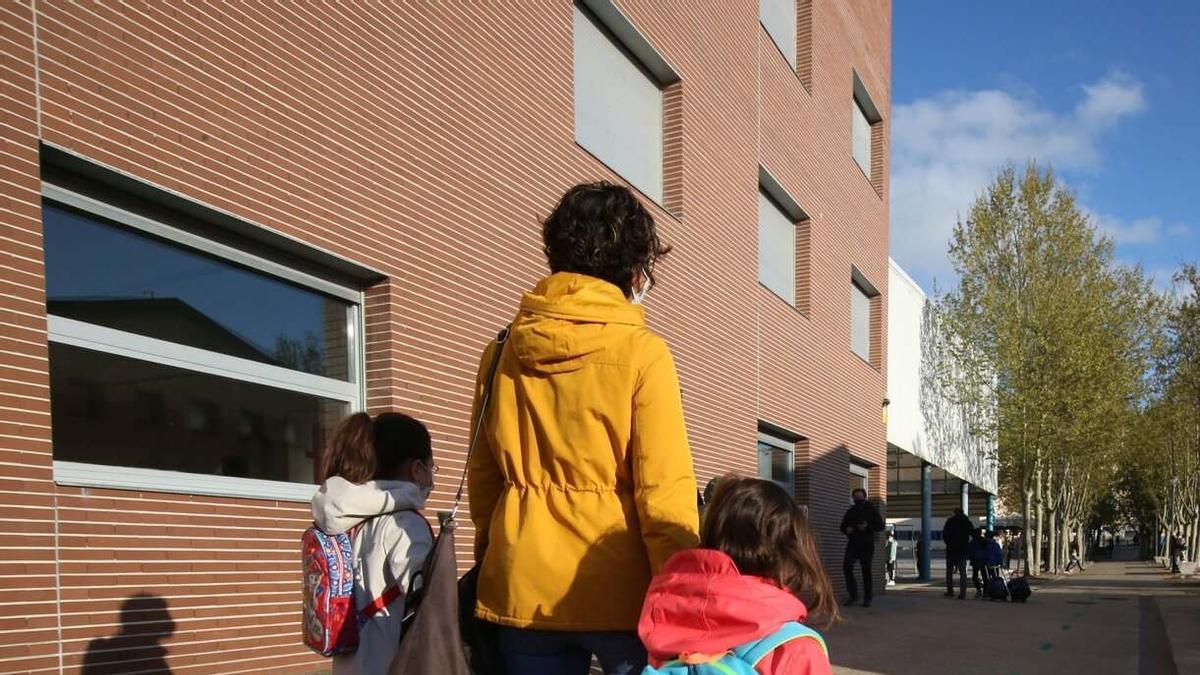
(756, 559)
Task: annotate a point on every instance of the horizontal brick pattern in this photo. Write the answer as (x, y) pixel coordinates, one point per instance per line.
(412, 139)
(804, 267)
(225, 568)
(673, 143)
(29, 619)
(810, 381)
(804, 42)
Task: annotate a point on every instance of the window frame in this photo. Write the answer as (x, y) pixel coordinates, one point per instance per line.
(126, 344)
(616, 26)
(863, 476)
(856, 111)
(855, 288)
(794, 59)
(777, 442)
(859, 283)
(862, 102)
(788, 295)
(770, 187)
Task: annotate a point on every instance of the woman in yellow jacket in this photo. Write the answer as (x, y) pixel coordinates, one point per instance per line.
(582, 483)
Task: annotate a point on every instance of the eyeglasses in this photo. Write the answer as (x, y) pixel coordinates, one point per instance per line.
(433, 467)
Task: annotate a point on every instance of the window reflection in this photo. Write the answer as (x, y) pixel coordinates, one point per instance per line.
(117, 411)
(107, 275)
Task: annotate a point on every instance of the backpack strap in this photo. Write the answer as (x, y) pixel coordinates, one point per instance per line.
(391, 593)
(753, 652)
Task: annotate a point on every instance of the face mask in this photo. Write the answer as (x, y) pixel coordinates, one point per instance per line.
(426, 490)
(639, 294)
(859, 500)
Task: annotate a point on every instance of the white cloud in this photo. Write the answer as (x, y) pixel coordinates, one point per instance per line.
(947, 147)
(1141, 231)
(1179, 231)
(1110, 99)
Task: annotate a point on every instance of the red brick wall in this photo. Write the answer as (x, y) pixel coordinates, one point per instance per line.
(424, 140)
(29, 616)
(811, 382)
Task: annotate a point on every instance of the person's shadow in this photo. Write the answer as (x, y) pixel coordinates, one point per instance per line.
(145, 624)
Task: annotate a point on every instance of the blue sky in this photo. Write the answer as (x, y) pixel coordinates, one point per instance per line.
(1108, 93)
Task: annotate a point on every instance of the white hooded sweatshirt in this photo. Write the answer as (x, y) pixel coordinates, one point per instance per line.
(389, 548)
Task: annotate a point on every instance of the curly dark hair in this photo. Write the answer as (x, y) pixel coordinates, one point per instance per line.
(602, 230)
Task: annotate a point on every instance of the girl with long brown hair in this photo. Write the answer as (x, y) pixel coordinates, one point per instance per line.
(756, 567)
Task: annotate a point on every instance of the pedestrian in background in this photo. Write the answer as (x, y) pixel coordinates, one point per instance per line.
(860, 524)
(891, 558)
(956, 534)
(977, 554)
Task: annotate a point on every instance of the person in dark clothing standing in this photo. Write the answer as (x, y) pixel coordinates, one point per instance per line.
(860, 524)
(1177, 550)
(956, 534)
(977, 554)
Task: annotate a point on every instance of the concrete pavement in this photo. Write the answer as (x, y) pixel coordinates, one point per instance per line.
(1116, 617)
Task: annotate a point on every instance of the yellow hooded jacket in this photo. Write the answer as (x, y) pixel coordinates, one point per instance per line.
(582, 484)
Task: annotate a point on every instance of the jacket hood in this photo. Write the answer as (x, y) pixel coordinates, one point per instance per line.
(565, 320)
(340, 505)
(701, 604)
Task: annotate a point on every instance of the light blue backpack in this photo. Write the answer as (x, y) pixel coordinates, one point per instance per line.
(744, 659)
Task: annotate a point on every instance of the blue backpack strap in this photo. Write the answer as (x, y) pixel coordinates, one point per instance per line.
(753, 652)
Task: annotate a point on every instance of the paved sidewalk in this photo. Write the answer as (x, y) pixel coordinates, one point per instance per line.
(1117, 617)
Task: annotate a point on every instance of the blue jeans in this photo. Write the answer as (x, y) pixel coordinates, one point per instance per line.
(550, 652)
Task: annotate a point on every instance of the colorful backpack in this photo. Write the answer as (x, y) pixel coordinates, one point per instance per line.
(331, 620)
(742, 660)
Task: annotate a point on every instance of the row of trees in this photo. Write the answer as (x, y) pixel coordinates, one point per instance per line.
(1094, 376)
(1159, 488)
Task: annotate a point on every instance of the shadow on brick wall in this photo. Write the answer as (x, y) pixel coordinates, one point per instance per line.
(137, 647)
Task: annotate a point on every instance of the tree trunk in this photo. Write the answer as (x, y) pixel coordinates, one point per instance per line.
(1040, 523)
(1195, 541)
(1192, 550)
(1053, 525)
(1026, 516)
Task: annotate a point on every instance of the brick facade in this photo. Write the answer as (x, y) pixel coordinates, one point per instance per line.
(424, 140)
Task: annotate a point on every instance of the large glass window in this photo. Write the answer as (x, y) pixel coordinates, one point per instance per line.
(860, 322)
(776, 249)
(779, 18)
(861, 131)
(777, 460)
(105, 275)
(115, 410)
(183, 368)
(859, 480)
(864, 114)
(618, 107)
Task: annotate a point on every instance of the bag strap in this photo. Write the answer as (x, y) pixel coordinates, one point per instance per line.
(753, 652)
(501, 339)
(389, 596)
(391, 593)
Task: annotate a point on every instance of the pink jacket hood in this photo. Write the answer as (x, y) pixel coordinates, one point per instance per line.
(702, 604)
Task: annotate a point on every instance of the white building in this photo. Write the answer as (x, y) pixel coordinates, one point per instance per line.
(924, 422)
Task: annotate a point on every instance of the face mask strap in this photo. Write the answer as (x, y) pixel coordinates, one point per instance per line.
(640, 294)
